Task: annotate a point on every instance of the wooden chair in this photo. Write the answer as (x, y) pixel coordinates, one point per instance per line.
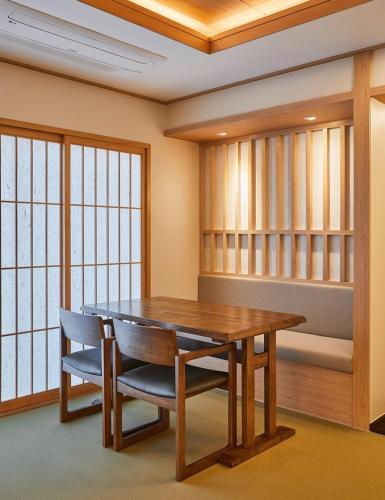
(93, 365)
(167, 381)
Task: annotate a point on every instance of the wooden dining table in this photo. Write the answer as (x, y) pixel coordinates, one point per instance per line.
(222, 323)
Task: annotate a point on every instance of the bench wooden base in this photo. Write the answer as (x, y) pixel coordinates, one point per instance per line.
(235, 456)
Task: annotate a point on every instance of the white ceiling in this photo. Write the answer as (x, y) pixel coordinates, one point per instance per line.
(188, 70)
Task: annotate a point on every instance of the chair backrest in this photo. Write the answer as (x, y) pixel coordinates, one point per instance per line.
(82, 328)
(152, 345)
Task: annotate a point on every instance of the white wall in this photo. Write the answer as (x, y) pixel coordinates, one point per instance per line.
(377, 264)
(310, 83)
(34, 97)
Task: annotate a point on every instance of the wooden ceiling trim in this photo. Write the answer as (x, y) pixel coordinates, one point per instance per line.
(293, 16)
(150, 20)
(282, 20)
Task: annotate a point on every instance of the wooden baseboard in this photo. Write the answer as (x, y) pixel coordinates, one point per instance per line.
(307, 389)
(43, 398)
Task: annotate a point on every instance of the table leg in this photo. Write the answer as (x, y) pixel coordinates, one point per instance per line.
(253, 445)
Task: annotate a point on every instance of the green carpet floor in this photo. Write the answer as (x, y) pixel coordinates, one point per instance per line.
(42, 459)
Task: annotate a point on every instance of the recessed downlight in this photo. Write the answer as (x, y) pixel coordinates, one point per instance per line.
(222, 134)
(310, 118)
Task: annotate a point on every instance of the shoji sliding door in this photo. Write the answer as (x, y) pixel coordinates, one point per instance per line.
(31, 259)
(73, 231)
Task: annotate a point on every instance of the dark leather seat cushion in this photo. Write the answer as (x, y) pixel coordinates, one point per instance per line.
(160, 380)
(90, 361)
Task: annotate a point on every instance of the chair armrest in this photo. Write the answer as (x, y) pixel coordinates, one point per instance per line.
(209, 351)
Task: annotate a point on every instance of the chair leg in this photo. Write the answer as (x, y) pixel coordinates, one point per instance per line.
(118, 435)
(232, 401)
(180, 438)
(63, 396)
(106, 413)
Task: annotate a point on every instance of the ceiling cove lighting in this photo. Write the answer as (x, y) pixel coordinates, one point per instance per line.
(222, 134)
(49, 33)
(310, 118)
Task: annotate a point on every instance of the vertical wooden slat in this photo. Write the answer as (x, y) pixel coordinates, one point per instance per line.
(343, 258)
(31, 257)
(293, 251)
(251, 253)
(46, 264)
(361, 291)
(16, 268)
(225, 185)
(309, 256)
(279, 254)
(119, 214)
(67, 224)
(309, 180)
(325, 265)
(252, 205)
(213, 204)
(225, 252)
(265, 255)
(213, 253)
(343, 169)
(146, 221)
(294, 181)
(348, 159)
(265, 184)
(237, 253)
(1, 280)
(96, 226)
(280, 198)
(202, 206)
(326, 181)
(108, 225)
(238, 185)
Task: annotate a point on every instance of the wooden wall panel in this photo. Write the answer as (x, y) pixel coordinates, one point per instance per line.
(280, 206)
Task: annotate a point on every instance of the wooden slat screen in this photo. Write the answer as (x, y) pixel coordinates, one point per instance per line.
(280, 206)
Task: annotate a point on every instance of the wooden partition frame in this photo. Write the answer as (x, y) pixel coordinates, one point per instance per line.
(209, 189)
(66, 138)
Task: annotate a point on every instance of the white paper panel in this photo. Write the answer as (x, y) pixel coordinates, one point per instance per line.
(101, 176)
(24, 365)
(89, 235)
(136, 254)
(125, 235)
(335, 178)
(334, 258)
(53, 356)
(76, 289)
(23, 169)
(136, 183)
(125, 281)
(39, 235)
(124, 179)
(8, 305)
(76, 174)
(54, 152)
(350, 258)
(113, 178)
(8, 225)
(23, 235)
(8, 368)
(39, 366)
(76, 235)
(53, 296)
(244, 185)
(243, 248)
(102, 283)
(317, 180)
(53, 235)
(89, 285)
(24, 300)
(89, 176)
(136, 281)
(101, 241)
(39, 300)
(39, 171)
(8, 171)
(114, 282)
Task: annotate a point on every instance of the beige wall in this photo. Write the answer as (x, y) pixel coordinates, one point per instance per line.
(34, 97)
(317, 81)
(377, 264)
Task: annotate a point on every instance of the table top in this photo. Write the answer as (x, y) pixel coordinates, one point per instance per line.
(217, 321)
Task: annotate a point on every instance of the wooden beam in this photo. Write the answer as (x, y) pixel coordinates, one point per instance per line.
(361, 297)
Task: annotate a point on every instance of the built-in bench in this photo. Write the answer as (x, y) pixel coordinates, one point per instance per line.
(315, 358)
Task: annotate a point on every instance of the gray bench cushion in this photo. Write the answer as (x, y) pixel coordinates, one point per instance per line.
(328, 309)
(90, 361)
(326, 352)
(160, 380)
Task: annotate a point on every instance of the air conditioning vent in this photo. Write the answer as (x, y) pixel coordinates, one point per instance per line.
(50, 34)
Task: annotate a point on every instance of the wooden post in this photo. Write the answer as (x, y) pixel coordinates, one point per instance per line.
(361, 300)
